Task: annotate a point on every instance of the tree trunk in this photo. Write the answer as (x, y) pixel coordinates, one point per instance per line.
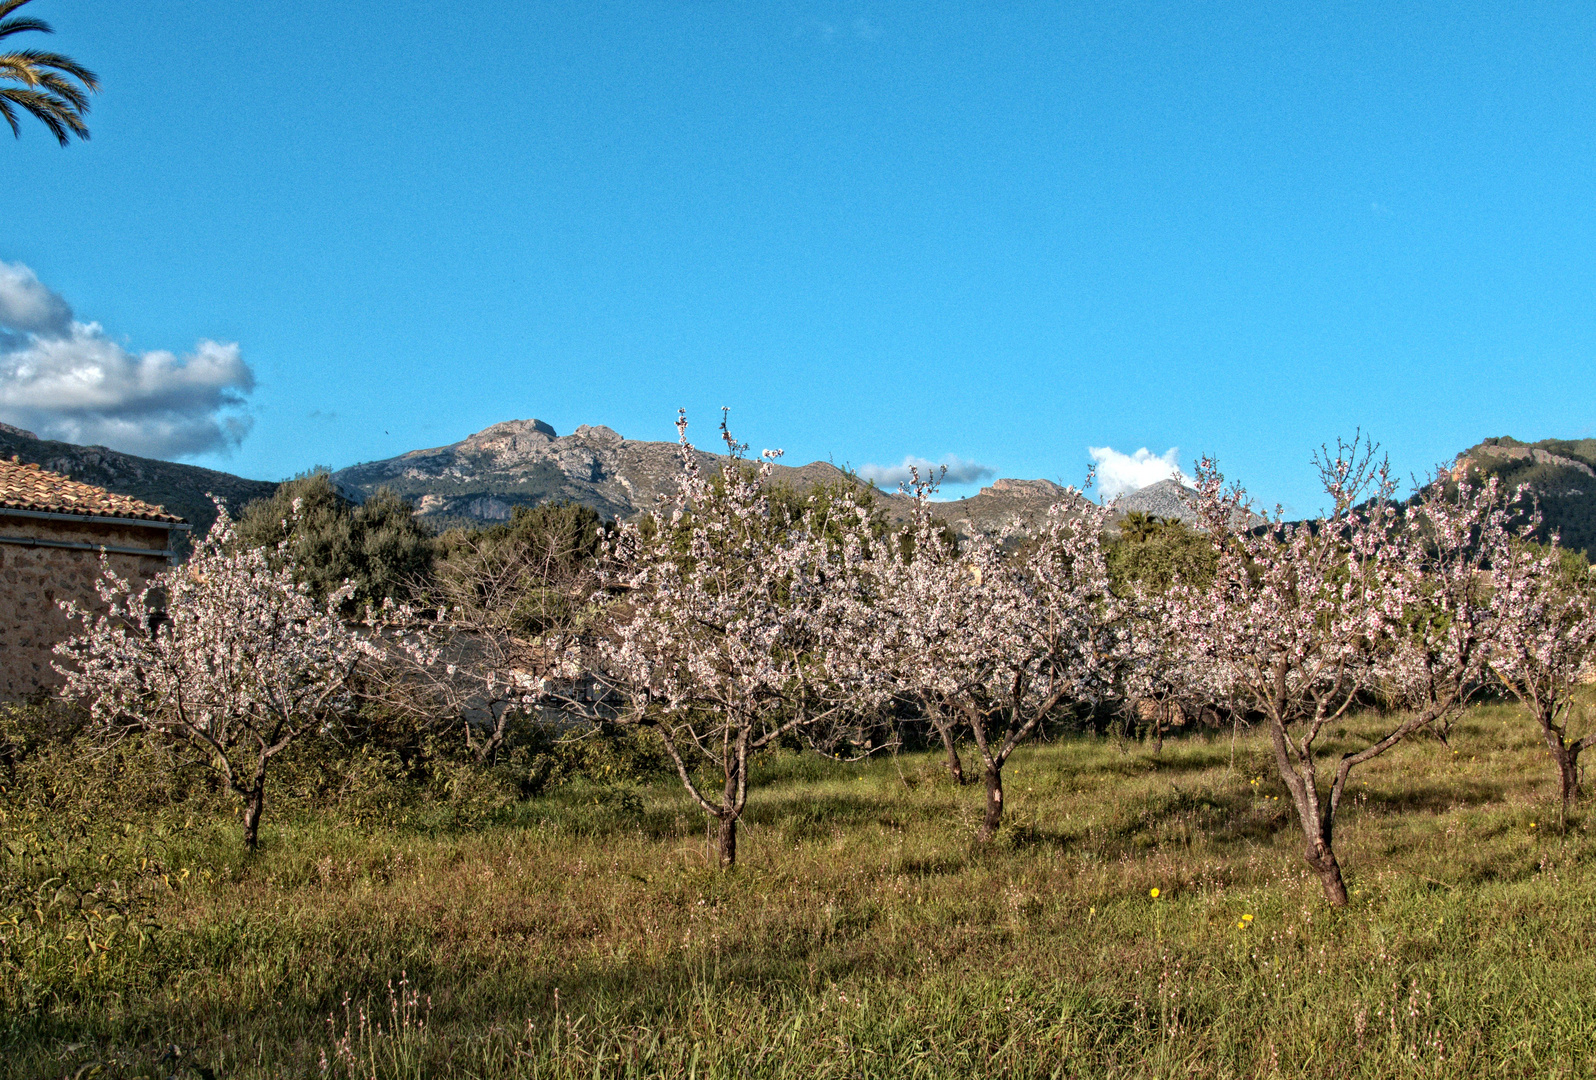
(994, 804)
(1318, 823)
(254, 805)
(726, 841)
(955, 766)
(1565, 755)
(1322, 857)
(1569, 770)
(731, 809)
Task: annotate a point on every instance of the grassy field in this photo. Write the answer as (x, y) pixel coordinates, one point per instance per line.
(585, 934)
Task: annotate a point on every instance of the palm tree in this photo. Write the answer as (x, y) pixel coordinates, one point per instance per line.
(47, 90)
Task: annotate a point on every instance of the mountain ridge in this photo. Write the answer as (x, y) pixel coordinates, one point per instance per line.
(180, 489)
(482, 478)
(1559, 473)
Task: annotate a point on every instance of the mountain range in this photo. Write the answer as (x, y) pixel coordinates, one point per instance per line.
(482, 479)
(184, 490)
(485, 476)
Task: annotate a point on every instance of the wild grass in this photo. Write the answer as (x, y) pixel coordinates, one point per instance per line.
(586, 933)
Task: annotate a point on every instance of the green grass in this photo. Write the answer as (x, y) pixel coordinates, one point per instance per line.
(586, 934)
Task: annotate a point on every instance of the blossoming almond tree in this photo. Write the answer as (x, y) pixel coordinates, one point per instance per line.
(726, 635)
(1302, 619)
(1160, 677)
(1543, 643)
(1441, 642)
(997, 642)
(224, 653)
(1291, 624)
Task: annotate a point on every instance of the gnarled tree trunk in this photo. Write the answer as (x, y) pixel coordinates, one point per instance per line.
(254, 807)
(994, 804)
(955, 766)
(1318, 823)
(1565, 755)
(1322, 857)
(726, 841)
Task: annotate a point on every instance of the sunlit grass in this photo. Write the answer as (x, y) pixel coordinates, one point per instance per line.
(862, 934)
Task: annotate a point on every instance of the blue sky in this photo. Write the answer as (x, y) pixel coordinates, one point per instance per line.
(1002, 231)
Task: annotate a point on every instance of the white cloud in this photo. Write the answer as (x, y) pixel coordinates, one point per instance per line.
(1119, 474)
(69, 380)
(27, 306)
(959, 471)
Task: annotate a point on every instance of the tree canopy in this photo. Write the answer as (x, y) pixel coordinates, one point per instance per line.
(377, 546)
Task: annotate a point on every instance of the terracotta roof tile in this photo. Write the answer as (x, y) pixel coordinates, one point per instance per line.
(28, 487)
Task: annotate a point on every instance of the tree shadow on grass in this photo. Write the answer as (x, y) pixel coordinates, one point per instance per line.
(306, 1021)
(1425, 798)
(805, 816)
(1173, 820)
(931, 866)
(1206, 759)
(1178, 819)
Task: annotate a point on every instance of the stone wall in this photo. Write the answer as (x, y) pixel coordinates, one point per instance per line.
(33, 580)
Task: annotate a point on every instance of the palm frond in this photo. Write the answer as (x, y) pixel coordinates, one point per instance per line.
(66, 91)
(55, 61)
(48, 89)
(57, 115)
(15, 68)
(9, 26)
(17, 26)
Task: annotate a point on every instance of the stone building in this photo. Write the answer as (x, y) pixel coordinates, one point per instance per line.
(52, 533)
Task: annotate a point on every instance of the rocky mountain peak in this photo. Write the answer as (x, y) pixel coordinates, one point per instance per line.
(1165, 499)
(1024, 489)
(486, 475)
(598, 433)
(1529, 454)
(535, 432)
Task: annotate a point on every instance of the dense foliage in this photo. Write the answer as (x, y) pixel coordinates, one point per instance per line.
(377, 547)
(1151, 553)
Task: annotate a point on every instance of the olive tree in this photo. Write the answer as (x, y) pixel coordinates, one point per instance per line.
(370, 552)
